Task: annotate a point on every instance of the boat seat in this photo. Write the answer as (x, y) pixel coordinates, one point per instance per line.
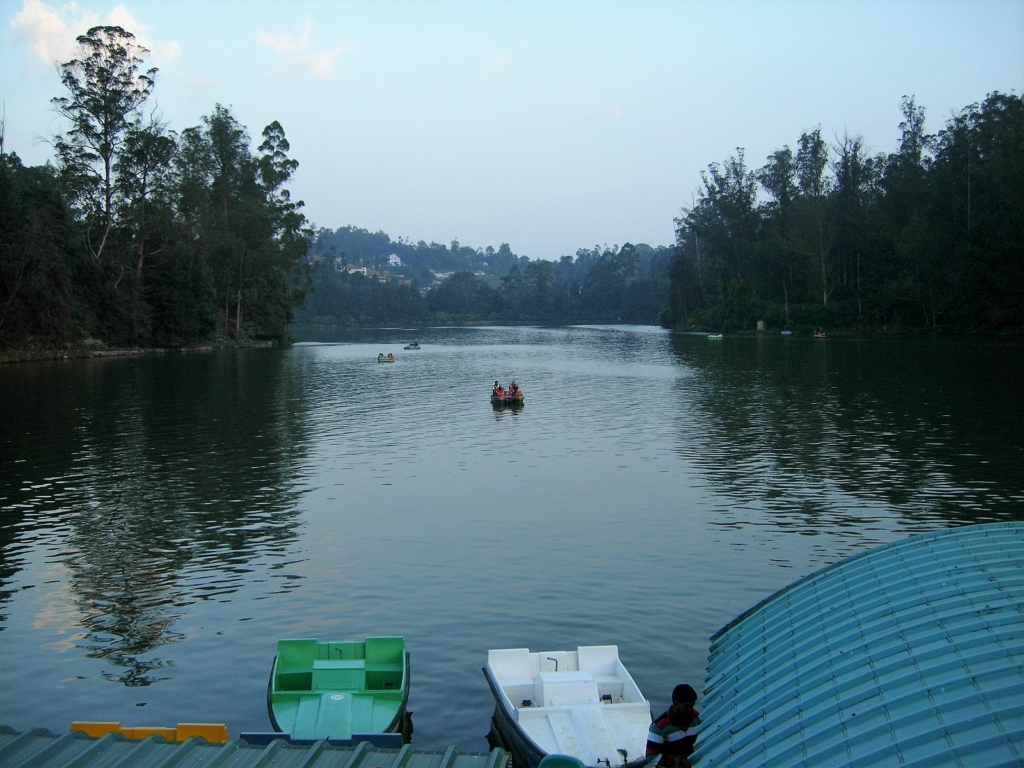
(385, 651)
(599, 659)
(510, 664)
(294, 667)
(555, 689)
(343, 678)
(338, 664)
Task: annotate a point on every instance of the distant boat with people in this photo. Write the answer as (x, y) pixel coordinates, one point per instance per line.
(510, 395)
(413, 345)
(388, 358)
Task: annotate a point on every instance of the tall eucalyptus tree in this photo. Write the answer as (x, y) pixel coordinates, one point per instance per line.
(778, 177)
(107, 89)
(815, 236)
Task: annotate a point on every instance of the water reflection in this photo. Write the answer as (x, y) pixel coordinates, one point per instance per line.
(154, 483)
(836, 434)
(502, 410)
(165, 520)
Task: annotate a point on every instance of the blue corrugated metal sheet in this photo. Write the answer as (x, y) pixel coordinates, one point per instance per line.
(909, 654)
(41, 749)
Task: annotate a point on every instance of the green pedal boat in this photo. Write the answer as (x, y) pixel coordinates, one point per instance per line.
(347, 691)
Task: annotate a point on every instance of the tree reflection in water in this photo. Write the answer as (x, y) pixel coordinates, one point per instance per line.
(824, 435)
(151, 528)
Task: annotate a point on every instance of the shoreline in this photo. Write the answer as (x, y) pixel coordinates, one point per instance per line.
(79, 352)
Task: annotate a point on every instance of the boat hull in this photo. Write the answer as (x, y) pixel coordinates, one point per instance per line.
(507, 399)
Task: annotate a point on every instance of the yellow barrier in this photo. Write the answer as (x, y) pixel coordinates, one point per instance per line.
(213, 732)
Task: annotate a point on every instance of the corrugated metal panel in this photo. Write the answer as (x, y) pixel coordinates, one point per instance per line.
(909, 654)
(41, 749)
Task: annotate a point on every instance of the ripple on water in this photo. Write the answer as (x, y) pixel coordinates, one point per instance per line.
(166, 520)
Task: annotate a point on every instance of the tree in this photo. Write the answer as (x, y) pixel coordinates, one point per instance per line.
(719, 231)
(106, 93)
(905, 181)
(852, 203)
(38, 295)
(145, 187)
(514, 291)
(928, 236)
(778, 177)
(976, 186)
(540, 289)
(814, 238)
(250, 232)
(463, 296)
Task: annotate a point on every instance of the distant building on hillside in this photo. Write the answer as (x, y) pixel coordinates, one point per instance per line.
(367, 271)
(394, 260)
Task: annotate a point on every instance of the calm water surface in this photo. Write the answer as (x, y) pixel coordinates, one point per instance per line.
(165, 519)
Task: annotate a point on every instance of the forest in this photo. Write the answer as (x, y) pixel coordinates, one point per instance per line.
(138, 235)
(600, 284)
(927, 238)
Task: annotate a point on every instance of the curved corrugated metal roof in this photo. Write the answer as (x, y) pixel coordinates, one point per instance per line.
(908, 654)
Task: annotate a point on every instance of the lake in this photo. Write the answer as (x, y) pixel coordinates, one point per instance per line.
(165, 519)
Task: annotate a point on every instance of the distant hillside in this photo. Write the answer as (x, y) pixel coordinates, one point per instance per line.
(363, 278)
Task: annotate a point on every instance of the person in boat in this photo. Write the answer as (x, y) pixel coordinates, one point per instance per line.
(498, 390)
(391, 355)
(380, 357)
(674, 732)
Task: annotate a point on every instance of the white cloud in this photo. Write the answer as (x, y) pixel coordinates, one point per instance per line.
(51, 32)
(51, 36)
(163, 53)
(298, 54)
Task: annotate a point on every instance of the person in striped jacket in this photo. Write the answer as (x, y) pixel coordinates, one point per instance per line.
(674, 733)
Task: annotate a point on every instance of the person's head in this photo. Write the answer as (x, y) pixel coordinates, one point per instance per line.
(683, 698)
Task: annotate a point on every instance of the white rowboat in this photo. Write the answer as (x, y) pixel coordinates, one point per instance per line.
(581, 703)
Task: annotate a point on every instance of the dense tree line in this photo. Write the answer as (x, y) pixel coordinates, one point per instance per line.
(929, 236)
(138, 235)
(611, 284)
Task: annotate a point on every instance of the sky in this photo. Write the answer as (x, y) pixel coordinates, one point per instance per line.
(549, 126)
